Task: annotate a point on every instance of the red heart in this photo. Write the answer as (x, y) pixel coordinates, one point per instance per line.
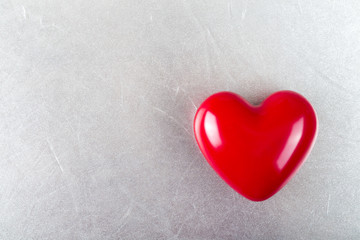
(256, 149)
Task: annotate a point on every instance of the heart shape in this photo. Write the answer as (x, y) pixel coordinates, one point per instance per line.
(256, 149)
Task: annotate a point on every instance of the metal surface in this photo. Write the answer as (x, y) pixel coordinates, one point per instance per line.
(97, 100)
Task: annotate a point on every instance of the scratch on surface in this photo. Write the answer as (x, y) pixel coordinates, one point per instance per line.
(230, 9)
(192, 102)
(55, 156)
(38, 157)
(24, 12)
(243, 13)
(122, 220)
(177, 91)
(160, 110)
(175, 236)
(173, 119)
(259, 52)
(326, 78)
(328, 205)
(213, 39)
(126, 214)
(218, 52)
(75, 132)
(41, 22)
(137, 204)
(300, 7)
(333, 82)
(195, 18)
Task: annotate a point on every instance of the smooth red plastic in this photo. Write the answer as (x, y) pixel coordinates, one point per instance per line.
(256, 149)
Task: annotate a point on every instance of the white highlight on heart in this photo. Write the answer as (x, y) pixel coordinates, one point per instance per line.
(291, 143)
(212, 130)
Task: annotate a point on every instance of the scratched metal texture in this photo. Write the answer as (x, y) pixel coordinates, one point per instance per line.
(97, 100)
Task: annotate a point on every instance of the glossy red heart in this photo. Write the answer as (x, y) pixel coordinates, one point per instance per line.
(256, 149)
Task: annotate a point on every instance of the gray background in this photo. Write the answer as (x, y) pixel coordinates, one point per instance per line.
(97, 100)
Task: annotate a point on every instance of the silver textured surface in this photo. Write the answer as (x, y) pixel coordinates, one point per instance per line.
(97, 100)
